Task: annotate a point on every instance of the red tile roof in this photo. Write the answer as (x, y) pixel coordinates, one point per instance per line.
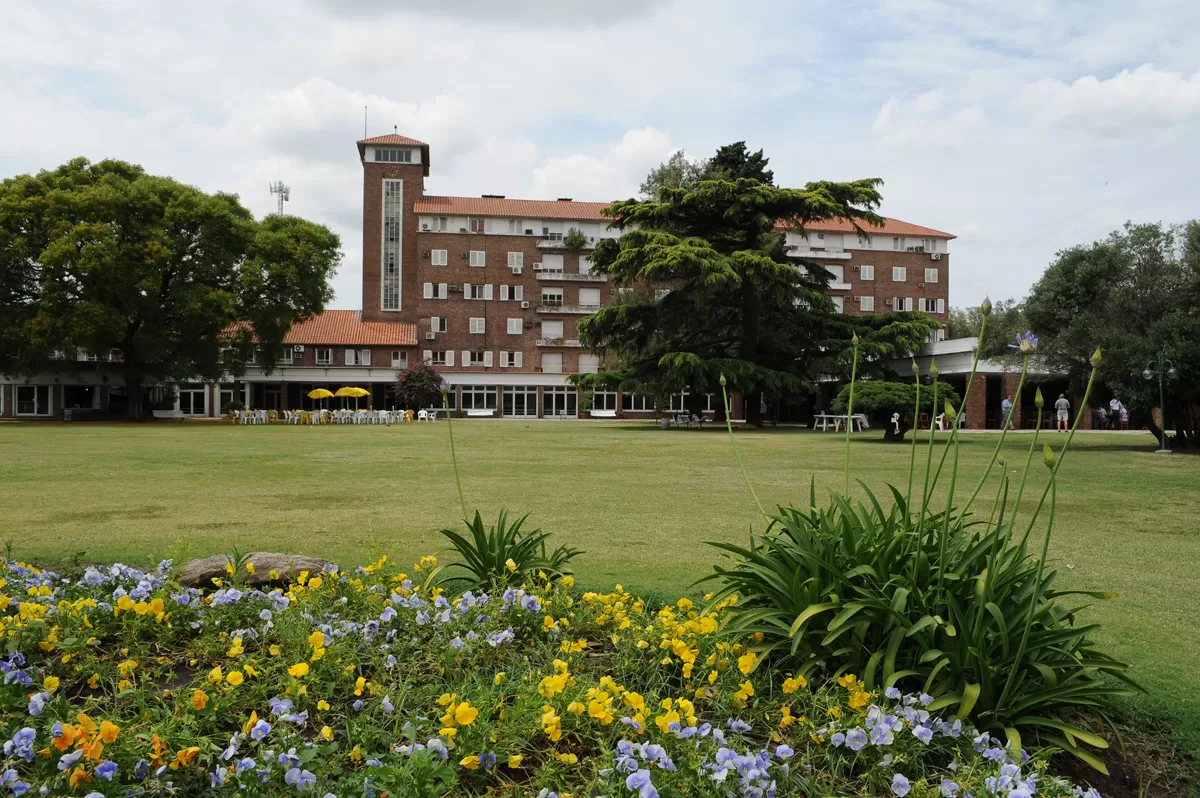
(892, 227)
(590, 212)
(346, 328)
(392, 138)
(513, 208)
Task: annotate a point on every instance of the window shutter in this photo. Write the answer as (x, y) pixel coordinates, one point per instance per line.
(366, 357)
(503, 293)
(443, 290)
(487, 359)
(487, 291)
(941, 306)
(427, 355)
(349, 357)
(503, 358)
(517, 357)
(466, 357)
(449, 357)
(466, 290)
(518, 292)
(429, 290)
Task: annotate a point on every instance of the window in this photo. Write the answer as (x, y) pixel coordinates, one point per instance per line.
(478, 397)
(933, 305)
(514, 228)
(516, 260)
(931, 275)
(866, 242)
(552, 330)
(477, 323)
(436, 290)
(393, 156)
(285, 357)
(588, 363)
(324, 355)
(897, 243)
(520, 401)
(393, 216)
(866, 272)
(437, 323)
(478, 258)
(439, 357)
(518, 292)
(399, 359)
(515, 326)
(560, 401)
(470, 358)
(510, 360)
(589, 297)
(552, 264)
(358, 357)
(604, 400)
(899, 274)
(935, 336)
(866, 303)
(193, 400)
(638, 402)
(552, 362)
(439, 257)
(902, 303)
(838, 303)
(440, 224)
(476, 226)
(585, 265)
(477, 291)
(552, 296)
(33, 400)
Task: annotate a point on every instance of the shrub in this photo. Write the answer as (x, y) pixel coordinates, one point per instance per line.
(575, 239)
(503, 554)
(419, 385)
(882, 397)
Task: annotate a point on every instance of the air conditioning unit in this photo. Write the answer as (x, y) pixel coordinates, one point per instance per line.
(425, 227)
(889, 301)
(517, 269)
(298, 348)
(427, 253)
(464, 255)
(920, 285)
(537, 266)
(525, 304)
(430, 336)
(528, 232)
(935, 256)
(454, 289)
(462, 229)
(528, 325)
(912, 249)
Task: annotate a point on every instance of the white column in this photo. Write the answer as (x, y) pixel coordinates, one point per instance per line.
(248, 395)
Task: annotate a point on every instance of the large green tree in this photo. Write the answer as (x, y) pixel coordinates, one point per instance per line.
(182, 284)
(678, 171)
(1134, 294)
(706, 288)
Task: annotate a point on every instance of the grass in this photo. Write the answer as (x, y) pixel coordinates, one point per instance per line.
(640, 501)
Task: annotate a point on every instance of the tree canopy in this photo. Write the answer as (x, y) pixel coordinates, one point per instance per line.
(1134, 294)
(678, 171)
(706, 288)
(102, 257)
(419, 386)
(885, 396)
(735, 160)
(1006, 320)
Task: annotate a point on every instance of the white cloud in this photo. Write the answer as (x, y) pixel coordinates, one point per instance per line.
(612, 175)
(1145, 97)
(917, 122)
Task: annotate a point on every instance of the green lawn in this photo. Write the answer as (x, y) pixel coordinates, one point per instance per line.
(640, 501)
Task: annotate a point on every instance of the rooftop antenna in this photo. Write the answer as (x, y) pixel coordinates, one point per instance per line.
(364, 121)
(282, 192)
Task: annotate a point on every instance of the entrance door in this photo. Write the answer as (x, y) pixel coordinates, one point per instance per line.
(193, 400)
(33, 400)
(560, 402)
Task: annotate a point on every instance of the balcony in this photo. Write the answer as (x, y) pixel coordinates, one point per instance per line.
(799, 251)
(571, 342)
(577, 310)
(555, 241)
(839, 286)
(543, 274)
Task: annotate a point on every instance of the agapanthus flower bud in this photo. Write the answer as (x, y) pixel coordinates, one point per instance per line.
(1096, 358)
(1038, 401)
(949, 409)
(722, 379)
(986, 307)
(933, 370)
(1047, 455)
(916, 369)
(854, 339)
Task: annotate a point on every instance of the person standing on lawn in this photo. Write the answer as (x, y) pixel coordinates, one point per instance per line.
(1006, 406)
(1114, 412)
(1063, 408)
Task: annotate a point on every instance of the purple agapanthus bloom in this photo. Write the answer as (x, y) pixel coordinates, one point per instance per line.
(1025, 343)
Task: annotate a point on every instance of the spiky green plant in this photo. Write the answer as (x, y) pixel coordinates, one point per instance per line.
(502, 554)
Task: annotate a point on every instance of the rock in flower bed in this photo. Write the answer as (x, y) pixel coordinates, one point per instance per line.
(374, 682)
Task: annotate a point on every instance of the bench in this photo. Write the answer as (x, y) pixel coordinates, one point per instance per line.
(603, 413)
(480, 413)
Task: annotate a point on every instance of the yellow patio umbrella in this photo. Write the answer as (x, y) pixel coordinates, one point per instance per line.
(353, 391)
(320, 393)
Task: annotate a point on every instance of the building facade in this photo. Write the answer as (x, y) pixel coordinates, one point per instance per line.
(490, 291)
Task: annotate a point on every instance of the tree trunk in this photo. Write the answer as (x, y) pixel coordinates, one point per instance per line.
(752, 399)
(133, 385)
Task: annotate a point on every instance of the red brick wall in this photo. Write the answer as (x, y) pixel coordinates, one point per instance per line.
(1008, 387)
(883, 288)
(372, 266)
(977, 404)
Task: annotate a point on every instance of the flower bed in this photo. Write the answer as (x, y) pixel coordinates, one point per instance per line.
(373, 682)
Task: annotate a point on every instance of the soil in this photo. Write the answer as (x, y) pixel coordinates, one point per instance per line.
(1148, 767)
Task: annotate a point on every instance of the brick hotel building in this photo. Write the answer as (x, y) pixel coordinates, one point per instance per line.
(485, 290)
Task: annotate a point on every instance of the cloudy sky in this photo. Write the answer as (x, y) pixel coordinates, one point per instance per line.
(1022, 126)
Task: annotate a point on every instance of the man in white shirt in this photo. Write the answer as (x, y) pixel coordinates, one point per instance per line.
(1114, 412)
(1063, 408)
